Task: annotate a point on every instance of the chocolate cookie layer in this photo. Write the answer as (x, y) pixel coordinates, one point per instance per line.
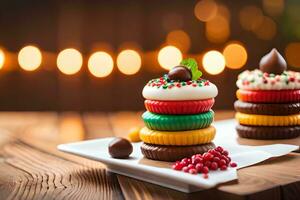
(268, 133)
(173, 153)
(267, 108)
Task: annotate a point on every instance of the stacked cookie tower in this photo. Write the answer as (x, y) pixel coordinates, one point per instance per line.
(268, 105)
(179, 116)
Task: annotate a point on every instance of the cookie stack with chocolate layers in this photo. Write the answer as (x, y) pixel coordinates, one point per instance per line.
(268, 105)
(179, 116)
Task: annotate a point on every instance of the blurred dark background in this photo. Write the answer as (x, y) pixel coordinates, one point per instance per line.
(194, 27)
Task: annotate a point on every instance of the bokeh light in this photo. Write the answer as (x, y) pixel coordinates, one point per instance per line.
(129, 62)
(100, 64)
(223, 11)
(180, 39)
(267, 29)
(30, 58)
(169, 56)
(292, 54)
(235, 55)
(2, 58)
(250, 17)
(69, 61)
(213, 62)
(273, 7)
(217, 30)
(205, 10)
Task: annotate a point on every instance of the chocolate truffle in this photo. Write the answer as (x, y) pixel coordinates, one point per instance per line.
(180, 73)
(273, 63)
(120, 148)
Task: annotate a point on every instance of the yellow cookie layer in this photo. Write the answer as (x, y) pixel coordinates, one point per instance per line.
(179, 138)
(267, 120)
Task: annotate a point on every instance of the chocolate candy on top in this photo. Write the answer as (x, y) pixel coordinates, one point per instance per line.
(273, 63)
(180, 73)
(120, 148)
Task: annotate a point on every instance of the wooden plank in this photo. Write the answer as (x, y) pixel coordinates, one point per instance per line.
(272, 178)
(37, 170)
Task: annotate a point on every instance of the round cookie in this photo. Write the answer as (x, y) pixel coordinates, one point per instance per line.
(173, 153)
(177, 122)
(178, 138)
(163, 89)
(258, 80)
(267, 120)
(269, 96)
(268, 133)
(267, 109)
(179, 107)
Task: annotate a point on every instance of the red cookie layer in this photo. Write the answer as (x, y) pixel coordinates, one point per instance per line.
(179, 107)
(269, 96)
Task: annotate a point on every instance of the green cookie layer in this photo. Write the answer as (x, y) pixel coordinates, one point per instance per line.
(177, 122)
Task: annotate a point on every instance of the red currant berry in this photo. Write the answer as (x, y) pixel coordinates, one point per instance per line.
(205, 176)
(205, 170)
(184, 163)
(225, 153)
(199, 167)
(191, 166)
(197, 160)
(185, 169)
(217, 154)
(216, 159)
(222, 162)
(214, 166)
(207, 163)
(185, 160)
(212, 151)
(192, 171)
(207, 156)
(177, 166)
(223, 167)
(233, 164)
(219, 149)
(228, 158)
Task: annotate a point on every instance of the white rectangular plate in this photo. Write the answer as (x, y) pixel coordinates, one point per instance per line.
(160, 173)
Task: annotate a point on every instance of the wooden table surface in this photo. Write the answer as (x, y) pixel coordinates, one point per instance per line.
(32, 168)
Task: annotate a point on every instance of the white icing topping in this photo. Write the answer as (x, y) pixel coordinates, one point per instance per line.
(257, 80)
(187, 92)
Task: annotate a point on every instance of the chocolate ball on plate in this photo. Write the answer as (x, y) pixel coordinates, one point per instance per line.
(120, 148)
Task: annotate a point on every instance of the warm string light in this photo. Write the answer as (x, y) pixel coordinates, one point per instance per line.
(100, 64)
(205, 10)
(129, 62)
(252, 19)
(179, 39)
(30, 58)
(2, 58)
(217, 29)
(169, 57)
(69, 61)
(213, 62)
(235, 55)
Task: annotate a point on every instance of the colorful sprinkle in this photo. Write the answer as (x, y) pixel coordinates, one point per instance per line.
(165, 83)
